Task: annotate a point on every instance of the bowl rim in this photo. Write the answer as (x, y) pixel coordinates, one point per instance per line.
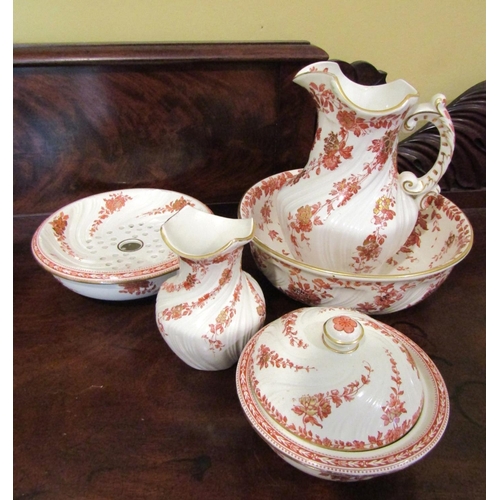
(103, 277)
(414, 445)
(361, 277)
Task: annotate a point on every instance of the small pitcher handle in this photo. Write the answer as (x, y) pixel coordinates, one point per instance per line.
(436, 113)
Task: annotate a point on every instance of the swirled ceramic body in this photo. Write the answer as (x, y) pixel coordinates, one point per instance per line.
(211, 308)
(349, 210)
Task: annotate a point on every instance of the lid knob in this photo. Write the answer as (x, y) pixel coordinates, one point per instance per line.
(342, 334)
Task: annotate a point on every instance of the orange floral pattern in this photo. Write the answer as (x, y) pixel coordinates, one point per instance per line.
(344, 324)
(336, 149)
(324, 97)
(313, 409)
(143, 287)
(173, 206)
(267, 357)
(59, 225)
(352, 123)
(223, 320)
(368, 297)
(114, 203)
(265, 188)
(198, 270)
(316, 408)
(360, 467)
(290, 331)
(334, 396)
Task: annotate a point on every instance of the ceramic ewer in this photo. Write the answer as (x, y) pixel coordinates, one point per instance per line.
(211, 308)
(348, 209)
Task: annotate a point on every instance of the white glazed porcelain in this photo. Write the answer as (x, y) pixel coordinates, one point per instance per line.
(349, 209)
(209, 310)
(441, 238)
(108, 246)
(347, 416)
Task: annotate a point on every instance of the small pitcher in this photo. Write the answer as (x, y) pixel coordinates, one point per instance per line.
(348, 209)
(211, 308)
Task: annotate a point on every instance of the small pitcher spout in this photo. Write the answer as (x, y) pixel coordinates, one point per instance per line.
(193, 234)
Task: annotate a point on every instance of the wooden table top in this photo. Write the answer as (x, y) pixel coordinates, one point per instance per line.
(104, 410)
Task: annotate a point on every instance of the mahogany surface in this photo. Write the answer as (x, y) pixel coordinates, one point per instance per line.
(102, 408)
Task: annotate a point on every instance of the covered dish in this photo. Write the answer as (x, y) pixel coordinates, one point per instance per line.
(340, 395)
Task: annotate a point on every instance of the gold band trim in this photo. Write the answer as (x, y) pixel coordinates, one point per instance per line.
(339, 351)
(340, 342)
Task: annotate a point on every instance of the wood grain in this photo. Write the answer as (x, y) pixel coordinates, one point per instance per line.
(210, 127)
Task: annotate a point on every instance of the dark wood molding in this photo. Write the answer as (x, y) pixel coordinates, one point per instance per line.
(164, 53)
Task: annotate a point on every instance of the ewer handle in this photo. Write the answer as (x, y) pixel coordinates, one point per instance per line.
(436, 113)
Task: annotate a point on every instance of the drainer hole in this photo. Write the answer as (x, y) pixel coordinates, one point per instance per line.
(131, 245)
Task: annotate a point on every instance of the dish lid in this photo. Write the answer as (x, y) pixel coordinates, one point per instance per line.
(336, 378)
